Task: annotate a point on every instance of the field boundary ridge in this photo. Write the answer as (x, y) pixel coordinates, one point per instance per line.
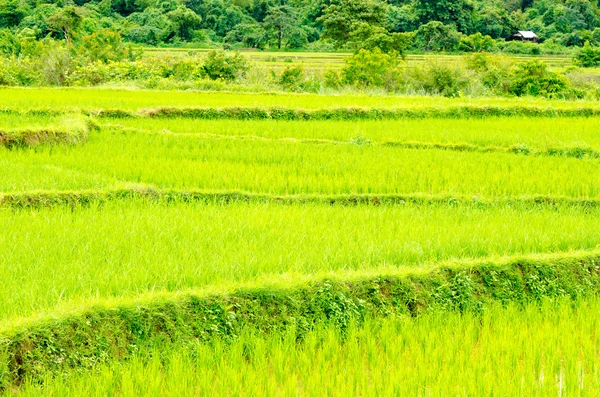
(71, 131)
(334, 113)
(115, 330)
(50, 198)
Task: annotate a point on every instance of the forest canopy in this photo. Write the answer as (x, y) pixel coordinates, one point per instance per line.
(306, 24)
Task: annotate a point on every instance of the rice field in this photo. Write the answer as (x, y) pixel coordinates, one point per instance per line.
(69, 99)
(321, 61)
(150, 234)
(506, 351)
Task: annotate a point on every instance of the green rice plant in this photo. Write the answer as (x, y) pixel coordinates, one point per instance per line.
(70, 99)
(62, 255)
(283, 168)
(552, 136)
(509, 351)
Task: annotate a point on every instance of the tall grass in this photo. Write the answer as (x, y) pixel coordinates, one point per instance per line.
(547, 351)
(61, 255)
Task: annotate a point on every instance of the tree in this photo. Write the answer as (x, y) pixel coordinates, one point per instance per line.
(343, 17)
(251, 35)
(449, 12)
(281, 21)
(11, 13)
(65, 22)
(375, 37)
(104, 46)
(183, 22)
(493, 20)
(435, 36)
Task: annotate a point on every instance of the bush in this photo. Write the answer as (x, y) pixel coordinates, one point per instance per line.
(533, 78)
(332, 79)
(476, 43)
(493, 71)
(519, 47)
(291, 78)
(373, 69)
(441, 79)
(220, 66)
(104, 46)
(588, 56)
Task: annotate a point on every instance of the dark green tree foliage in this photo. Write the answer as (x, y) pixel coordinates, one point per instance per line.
(11, 13)
(281, 23)
(183, 22)
(435, 36)
(457, 12)
(342, 18)
(66, 22)
(250, 35)
(291, 24)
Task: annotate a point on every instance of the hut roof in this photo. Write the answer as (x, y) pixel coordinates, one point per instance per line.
(526, 34)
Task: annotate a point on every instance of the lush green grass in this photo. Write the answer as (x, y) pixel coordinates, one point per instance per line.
(552, 350)
(94, 98)
(534, 133)
(191, 162)
(60, 255)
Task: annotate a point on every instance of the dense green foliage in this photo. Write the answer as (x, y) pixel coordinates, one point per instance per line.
(294, 24)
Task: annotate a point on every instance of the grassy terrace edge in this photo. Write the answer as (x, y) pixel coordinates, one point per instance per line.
(114, 330)
(340, 113)
(44, 199)
(73, 133)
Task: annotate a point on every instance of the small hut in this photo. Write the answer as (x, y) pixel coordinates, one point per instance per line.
(526, 35)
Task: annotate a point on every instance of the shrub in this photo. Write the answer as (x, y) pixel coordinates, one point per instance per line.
(291, 78)
(476, 43)
(104, 46)
(588, 56)
(220, 66)
(519, 47)
(373, 69)
(55, 64)
(533, 78)
(441, 79)
(494, 72)
(332, 79)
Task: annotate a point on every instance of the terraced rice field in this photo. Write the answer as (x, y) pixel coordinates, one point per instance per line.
(193, 236)
(320, 61)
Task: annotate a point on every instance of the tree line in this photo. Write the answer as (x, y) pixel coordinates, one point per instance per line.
(429, 25)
